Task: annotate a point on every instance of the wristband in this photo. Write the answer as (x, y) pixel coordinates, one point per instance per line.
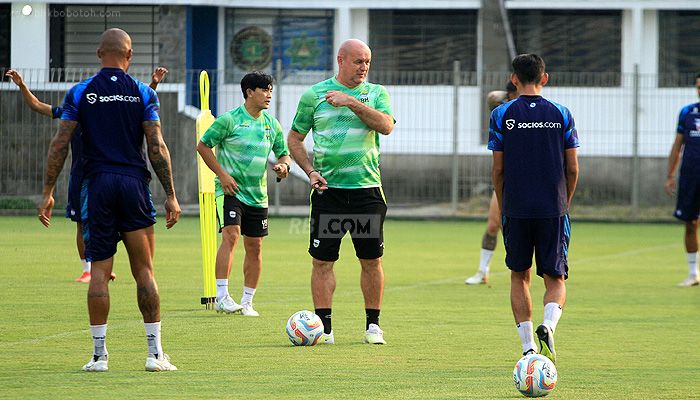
(309, 173)
(288, 166)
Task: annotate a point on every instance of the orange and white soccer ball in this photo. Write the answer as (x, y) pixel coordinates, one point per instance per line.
(304, 328)
(534, 375)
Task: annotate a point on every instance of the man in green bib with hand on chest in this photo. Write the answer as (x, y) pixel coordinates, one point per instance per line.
(347, 115)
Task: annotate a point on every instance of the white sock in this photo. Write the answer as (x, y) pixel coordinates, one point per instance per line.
(693, 264)
(99, 336)
(153, 338)
(527, 338)
(552, 313)
(221, 288)
(485, 260)
(86, 265)
(248, 294)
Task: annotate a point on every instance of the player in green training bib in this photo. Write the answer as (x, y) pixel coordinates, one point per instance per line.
(346, 115)
(244, 138)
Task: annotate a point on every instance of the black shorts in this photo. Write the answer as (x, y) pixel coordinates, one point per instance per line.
(547, 237)
(335, 212)
(688, 201)
(231, 211)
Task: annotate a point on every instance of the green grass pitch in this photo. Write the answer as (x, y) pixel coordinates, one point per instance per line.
(626, 333)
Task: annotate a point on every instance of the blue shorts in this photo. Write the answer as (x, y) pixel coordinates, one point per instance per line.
(73, 206)
(547, 237)
(688, 201)
(111, 204)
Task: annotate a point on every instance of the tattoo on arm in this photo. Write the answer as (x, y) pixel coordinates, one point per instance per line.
(159, 156)
(58, 151)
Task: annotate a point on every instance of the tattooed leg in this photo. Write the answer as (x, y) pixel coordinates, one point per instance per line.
(98, 291)
(139, 244)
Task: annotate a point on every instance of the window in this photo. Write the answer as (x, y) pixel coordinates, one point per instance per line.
(580, 48)
(257, 38)
(679, 46)
(429, 41)
(5, 36)
(75, 34)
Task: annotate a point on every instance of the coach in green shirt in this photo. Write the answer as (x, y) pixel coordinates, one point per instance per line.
(346, 115)
(244, 138)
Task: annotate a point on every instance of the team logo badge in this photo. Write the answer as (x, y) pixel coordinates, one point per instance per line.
(697, 124)
(264, 223)
(251, 48)
(91, 98)
(304, 51)
(317, 242)
(510, 124)
(232, 214)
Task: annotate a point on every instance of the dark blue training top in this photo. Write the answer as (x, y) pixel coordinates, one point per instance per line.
(533, 132)
(689, 127)
(76, 147)
(110, 108)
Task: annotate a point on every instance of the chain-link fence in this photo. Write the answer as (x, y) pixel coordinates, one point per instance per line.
(435, 163)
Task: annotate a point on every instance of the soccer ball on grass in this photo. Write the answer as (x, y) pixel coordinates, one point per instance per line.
(304, 328)
(534, 375)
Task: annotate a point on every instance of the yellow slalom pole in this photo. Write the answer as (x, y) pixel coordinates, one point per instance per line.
(207, 202)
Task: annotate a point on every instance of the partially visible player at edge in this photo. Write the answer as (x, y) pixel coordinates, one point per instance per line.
(76, 169)
(688, 201)
(244, 138)
(115, 113)
(347, 115)
(535, 170)
(493, 224)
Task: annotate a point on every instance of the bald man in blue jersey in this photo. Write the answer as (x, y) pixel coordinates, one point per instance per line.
(535, 170)
(116, 114)
(76, 170)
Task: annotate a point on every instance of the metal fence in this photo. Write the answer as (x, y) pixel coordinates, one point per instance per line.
(435, 163)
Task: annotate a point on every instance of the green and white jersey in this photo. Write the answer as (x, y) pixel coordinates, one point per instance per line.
(243, 144)
(346, 150)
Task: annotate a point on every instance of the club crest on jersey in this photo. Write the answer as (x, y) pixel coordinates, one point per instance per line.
(510, 124)
(317, 242)
(364, 96)
(268, 132)
(695, 132)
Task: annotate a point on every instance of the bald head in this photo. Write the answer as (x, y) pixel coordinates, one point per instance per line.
(115, 46)
(354, 57)
(352, 45)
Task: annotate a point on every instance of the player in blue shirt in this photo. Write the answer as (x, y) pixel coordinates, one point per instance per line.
(76, 169)
(688, 202)
(535, 170)
(116, 113)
